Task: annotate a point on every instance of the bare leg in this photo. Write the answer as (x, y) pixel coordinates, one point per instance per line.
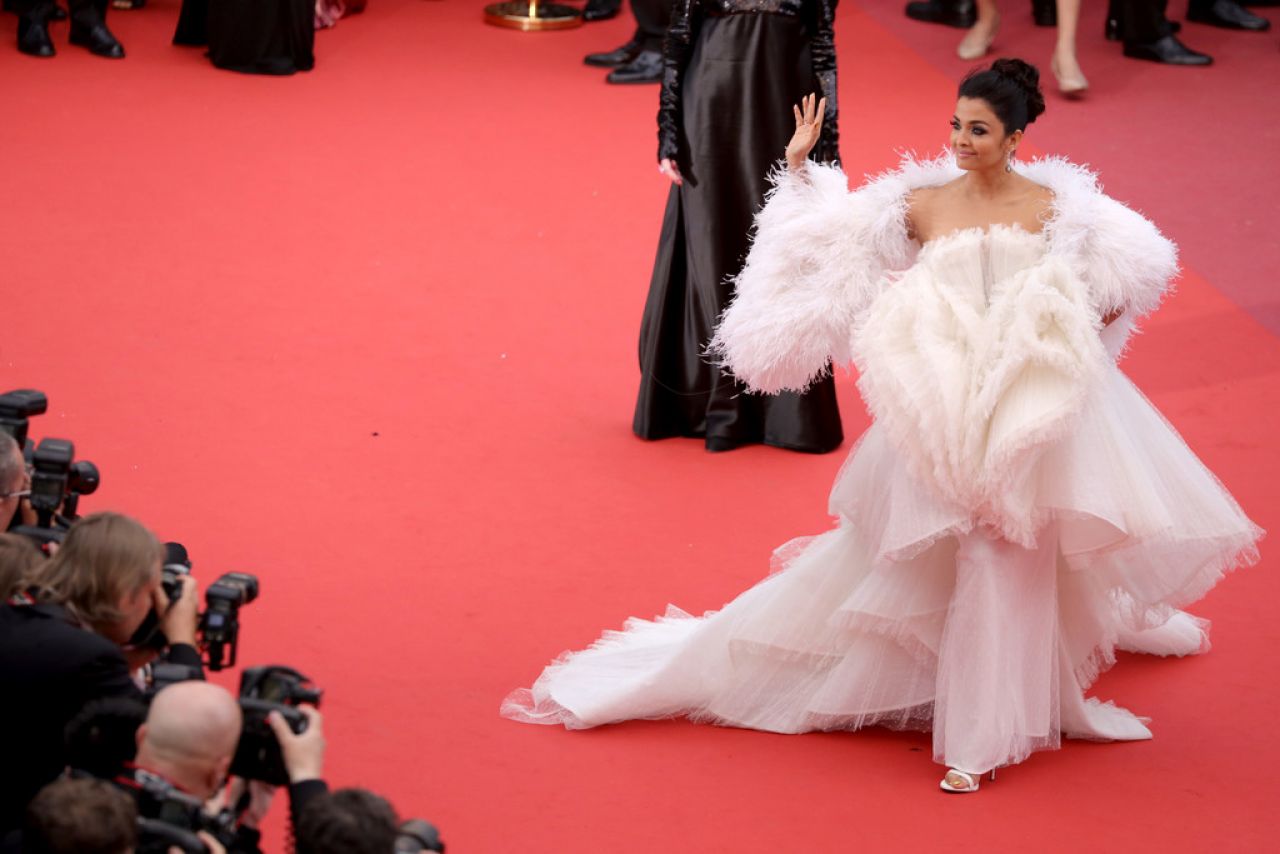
(977, 41)
(1065, 65)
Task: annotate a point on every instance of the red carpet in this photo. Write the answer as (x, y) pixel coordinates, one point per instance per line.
(370, 333)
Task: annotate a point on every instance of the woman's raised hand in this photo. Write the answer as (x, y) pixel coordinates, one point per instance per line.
(808, 129)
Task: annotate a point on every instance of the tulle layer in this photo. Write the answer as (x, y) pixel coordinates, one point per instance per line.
(878, 622)
(1135, 509)
(1017, 511)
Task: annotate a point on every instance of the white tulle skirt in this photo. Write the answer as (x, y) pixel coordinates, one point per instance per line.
(913, 614)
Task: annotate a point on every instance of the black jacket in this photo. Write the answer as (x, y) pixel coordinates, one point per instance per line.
(49, 669)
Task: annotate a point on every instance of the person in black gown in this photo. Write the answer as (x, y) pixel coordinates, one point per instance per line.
(734, 69)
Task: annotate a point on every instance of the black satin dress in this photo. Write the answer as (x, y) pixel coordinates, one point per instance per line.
(251, 36)
(734, 70)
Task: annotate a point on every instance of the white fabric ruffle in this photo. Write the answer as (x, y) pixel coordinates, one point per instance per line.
(1016, 512)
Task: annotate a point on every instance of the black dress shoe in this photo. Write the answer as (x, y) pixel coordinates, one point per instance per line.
(617, 56)
(953, 13)
(1168, 50)
(1044, 13)
(98, 39)
(647, 67)
(600, 10)
(33, 38)
(1227, 14)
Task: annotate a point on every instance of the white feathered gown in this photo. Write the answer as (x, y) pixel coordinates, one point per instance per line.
(1016, 510)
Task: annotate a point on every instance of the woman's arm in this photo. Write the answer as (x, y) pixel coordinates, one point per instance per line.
(823, 50)
(1128, 263)
(676, 51)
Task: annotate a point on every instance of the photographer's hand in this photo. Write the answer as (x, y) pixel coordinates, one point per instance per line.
(304, 753)
(214, 846)
(259, 799)
(26, 511)
(180, 618)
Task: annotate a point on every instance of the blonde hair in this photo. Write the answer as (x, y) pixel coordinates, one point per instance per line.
(104, 558)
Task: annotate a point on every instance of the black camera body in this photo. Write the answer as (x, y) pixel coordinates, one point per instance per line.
(417, 835)
(58, 479)
(16, 407)
(264, 690)
(164, 809)
(219, 624)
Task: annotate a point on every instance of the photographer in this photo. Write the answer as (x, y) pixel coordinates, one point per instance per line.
(15, 483)
(80, 816)
(348, 821)
(185, 748)
(62, 644)
(185, 752)
(303, 759)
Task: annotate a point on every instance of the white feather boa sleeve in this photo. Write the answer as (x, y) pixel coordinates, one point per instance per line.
(817, 259)
(1125, 260)
(1129, 263)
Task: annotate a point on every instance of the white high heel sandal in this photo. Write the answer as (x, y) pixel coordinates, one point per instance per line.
(971, 781)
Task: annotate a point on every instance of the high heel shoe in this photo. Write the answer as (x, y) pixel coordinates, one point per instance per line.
(969, 782)
(975, 45)
(1070, 85)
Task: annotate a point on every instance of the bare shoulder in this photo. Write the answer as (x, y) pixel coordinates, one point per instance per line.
(922, 206)
(1038, 197)
(926, 206)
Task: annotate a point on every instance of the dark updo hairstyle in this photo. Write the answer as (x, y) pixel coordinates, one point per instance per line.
(1011, 87)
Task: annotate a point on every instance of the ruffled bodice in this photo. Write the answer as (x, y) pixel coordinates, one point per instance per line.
(973, 359)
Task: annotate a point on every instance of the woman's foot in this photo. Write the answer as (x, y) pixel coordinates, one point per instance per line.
(961, 782)
(977, 41)
(1071, 80)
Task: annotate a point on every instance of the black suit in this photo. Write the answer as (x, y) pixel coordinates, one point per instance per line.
(49, 669)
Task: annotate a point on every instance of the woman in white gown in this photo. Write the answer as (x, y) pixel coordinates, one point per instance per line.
(1017, 510)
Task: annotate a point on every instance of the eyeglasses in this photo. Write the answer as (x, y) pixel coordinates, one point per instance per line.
(26, 487)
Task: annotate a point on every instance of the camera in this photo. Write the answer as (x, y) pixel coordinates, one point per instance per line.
(219, 625)
(156, 837)
(417, 835)
(168, 816)
(16, 407)
(58, 479)
(264, 690)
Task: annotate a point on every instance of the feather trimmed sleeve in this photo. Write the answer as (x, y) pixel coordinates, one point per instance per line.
(817, 258)
(1128, 263)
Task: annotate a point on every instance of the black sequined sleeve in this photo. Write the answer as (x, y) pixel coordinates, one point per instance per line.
(677, 48)
(824, 67)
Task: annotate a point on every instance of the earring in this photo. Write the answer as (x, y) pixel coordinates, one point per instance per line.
(1008, 161)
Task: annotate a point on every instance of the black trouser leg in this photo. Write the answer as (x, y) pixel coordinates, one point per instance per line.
(652, 18)
(1141, 21)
